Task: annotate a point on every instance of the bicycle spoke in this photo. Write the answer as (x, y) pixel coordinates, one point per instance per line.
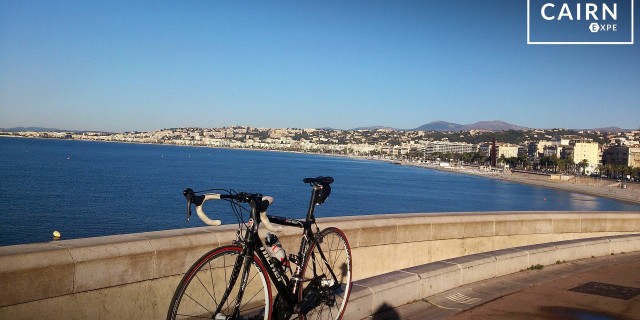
(224, 267)
(338, 256)
(255, 295)
(192, 316)
(333, 250)
(331, 246)
(213, 287)
(331, 312)
(205, 288)
(198, 303)
(321, 312)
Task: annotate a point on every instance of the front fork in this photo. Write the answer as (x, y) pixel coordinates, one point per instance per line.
(243, 262)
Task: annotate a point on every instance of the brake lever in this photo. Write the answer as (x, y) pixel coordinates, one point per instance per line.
(189, 209)
(188, 193)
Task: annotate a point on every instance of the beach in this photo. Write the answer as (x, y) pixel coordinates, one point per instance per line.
(622, 191)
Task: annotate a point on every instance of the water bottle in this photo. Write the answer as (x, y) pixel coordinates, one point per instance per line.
(275, 249)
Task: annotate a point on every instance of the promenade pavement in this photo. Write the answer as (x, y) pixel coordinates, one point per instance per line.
(604, 288)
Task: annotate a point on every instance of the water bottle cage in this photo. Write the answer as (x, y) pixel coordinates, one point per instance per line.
(293, 258)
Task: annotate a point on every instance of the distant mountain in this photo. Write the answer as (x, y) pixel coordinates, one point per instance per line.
(34, 129)
(439, 126)
(495, 125)
(610, 129)
(375, 128)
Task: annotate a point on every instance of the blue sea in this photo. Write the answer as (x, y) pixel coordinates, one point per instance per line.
(88, 189)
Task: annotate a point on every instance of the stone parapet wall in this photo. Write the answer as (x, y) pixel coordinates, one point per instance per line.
(133, 276)
(397, 288)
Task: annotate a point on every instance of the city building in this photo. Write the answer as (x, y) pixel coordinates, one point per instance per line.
(536, 148)
(429, 147)
(622, 155)
(587, 150)
(552, 150)
(507, 150)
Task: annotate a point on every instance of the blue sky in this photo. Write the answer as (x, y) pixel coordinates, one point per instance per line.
(148, 65)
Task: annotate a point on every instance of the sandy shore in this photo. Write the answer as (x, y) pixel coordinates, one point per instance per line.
(586, 185)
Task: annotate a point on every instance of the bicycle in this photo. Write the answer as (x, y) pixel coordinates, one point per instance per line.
(236, 281)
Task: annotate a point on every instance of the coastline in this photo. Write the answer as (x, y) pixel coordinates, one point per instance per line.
(585, 185)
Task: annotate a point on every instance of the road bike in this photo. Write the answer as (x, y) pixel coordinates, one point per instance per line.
(238, 281)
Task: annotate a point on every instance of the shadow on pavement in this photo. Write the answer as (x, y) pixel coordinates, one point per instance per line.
(385, 312)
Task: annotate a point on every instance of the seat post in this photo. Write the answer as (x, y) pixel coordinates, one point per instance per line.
(312, 203)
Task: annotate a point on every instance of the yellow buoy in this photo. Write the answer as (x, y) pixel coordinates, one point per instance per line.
(56, 234)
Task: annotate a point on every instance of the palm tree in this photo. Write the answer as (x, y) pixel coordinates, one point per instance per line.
(502, 160)
(583, 165)
(608, 169)
(627, 171)
(550, 163)
(619, 171)
(562, 165)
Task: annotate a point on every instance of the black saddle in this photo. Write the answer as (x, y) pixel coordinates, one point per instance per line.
(322, 193)
(321, 180)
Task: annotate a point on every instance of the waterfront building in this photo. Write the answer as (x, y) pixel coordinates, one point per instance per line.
(552, 150)
(400, 150)
(429, 147)
(507, 150)
(522, 150)
(362, 149)
(622, 155)
(587, 150)
(502, 149)
(536, 149)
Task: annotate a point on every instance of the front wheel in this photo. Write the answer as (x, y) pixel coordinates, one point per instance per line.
(203, 287)
(326, 271)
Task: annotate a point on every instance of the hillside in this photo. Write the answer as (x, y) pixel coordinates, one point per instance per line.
(495, 125)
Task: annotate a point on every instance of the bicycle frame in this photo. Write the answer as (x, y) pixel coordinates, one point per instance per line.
(253, 245)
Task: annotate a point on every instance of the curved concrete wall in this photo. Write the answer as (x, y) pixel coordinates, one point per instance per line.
(397, 288)
(133, 276)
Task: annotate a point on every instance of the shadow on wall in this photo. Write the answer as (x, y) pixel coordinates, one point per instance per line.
(385, 312)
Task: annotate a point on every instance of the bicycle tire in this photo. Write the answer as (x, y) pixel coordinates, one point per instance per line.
(198, 292)
(318, 300)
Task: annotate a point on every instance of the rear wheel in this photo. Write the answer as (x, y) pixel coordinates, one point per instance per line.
(201, 289)
(321, 295)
